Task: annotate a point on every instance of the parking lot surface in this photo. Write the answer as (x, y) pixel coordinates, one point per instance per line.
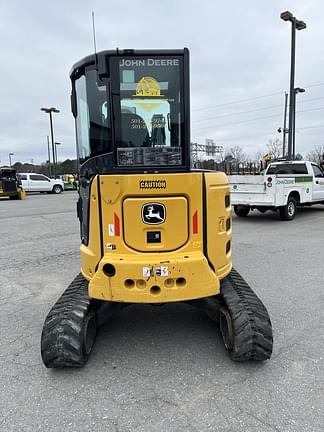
(161, 368)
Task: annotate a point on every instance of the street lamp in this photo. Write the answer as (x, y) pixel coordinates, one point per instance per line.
(296, 90)
(299, 25)
(56, 144)
(50, 111)
(10, 154)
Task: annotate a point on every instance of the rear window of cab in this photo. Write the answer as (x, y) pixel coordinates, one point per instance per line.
(287, 169)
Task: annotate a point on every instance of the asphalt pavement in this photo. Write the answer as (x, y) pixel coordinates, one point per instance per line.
(161, 368)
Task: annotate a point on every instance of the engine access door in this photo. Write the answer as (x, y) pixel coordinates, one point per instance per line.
(155, 224)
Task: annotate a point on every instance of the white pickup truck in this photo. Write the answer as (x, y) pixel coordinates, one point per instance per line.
(284, 186)
(32, 182)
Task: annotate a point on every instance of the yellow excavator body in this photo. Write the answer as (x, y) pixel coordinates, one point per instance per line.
(172, 259)
(153, 230)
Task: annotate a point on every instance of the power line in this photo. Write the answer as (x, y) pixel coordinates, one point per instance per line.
(254, 119)
(309, 100)
(310, 109)
(255, 110)
(238, 101)
(238, 113)
(239, 122)
(244, 137)
(315, 85)
(310, 127)
(261, 134)
(254, 98)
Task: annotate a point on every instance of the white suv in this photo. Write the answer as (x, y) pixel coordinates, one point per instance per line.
(32, 182)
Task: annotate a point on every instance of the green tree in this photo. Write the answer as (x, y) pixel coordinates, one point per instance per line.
(69, 166)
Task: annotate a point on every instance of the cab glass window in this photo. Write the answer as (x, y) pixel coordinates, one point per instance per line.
(287, 169)
(93, 119)
(149, 110)
(317, 171)
(38, 177)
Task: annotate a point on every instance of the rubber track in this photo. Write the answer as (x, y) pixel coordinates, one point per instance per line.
(62, 336)
(251, 322)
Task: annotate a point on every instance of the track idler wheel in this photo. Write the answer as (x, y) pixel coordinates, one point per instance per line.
(89, 333)
(226, 328)
(70, 328)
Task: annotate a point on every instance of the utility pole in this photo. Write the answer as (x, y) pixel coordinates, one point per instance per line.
(49, 157)
(284, 127)
(296, 90)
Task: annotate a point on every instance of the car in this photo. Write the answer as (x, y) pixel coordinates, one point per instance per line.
(33, 182)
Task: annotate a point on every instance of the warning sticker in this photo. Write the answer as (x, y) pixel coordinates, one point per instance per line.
(162, 271)
(147, 271)
(111, 230)
(111, 246)
(158, 271)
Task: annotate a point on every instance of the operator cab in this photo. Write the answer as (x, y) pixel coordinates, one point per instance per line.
(132, 112)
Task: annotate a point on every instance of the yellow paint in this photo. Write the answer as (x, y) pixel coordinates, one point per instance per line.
(90, 255)
(19, 193)
(193, 263)
(135, 235)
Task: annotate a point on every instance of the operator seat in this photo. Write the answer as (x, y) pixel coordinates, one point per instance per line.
(134, 131)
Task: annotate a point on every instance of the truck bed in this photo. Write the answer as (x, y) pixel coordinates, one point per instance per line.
(247, 183)
(250, 190)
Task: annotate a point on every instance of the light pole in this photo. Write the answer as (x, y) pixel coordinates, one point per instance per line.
(296, 90)
(50, 111)
(299, 25)
(10, 154)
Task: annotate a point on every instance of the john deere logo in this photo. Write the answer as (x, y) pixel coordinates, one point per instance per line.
(153, 213)
(148, 86)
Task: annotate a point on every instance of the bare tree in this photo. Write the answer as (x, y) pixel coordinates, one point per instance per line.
(316, 155)
(275, 148)
(258, 156)
(236, 154)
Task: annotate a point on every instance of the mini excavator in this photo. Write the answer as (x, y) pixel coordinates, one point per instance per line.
(152, 229)
(10, 185)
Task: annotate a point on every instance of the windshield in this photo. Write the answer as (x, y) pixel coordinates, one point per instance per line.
(149, 110)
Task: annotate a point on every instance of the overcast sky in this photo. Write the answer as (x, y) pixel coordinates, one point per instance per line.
(240, 62)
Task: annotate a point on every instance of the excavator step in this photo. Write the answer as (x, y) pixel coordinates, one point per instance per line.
(250, 335)
(70, 328)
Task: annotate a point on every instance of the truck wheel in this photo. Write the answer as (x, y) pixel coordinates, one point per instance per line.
(288, 212)
(241, 210)
(57, 189)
